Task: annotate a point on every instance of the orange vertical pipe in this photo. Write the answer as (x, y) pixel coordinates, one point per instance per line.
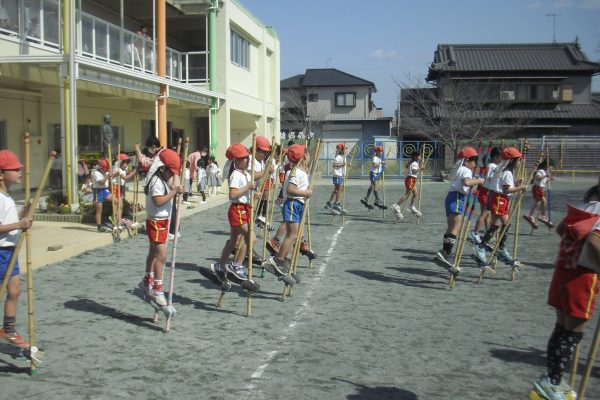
(161, 61)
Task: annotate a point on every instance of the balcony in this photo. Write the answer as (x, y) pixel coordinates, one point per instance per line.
(38, 23)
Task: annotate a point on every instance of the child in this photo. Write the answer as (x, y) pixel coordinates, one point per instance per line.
(201, 176)
(339, 171)
(86, 193)
(572, 291)
(186, 175)
(461, 179)
(296, 189)
(499, 200)
(240, 190)
(119, 177)
(410, 184)
(10, 224)
(483, 196)
(263, 152)
(213, 175)
(374, 175)
(100, 187)
(159, 201)
(540, 181)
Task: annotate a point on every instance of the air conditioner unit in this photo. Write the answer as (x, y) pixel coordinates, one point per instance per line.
(507, 95)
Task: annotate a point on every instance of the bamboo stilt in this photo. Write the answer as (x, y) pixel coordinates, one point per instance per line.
(250, 242)
(574, 363)
(308, 236)
(590, 363)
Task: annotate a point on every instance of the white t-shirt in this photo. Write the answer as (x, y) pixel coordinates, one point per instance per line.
(158, 187)
(299, 178)
(541, 178)
(187, 174)
(413, 169)
(339, 159)
(457, 183)
(506, 179)
(378, 167)
(239, 179)
(8, 215)
(491, 183)
(118, 176)
(97, 177)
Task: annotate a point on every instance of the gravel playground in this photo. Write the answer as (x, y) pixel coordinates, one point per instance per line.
(373, 318)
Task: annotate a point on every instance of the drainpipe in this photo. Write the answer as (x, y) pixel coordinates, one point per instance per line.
(212, 72)
(161, 40)
(67, 96)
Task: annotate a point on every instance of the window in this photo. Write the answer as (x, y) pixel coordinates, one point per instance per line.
(345, 99)
(89, 138)
(2, 135)
(507, 95)
(240, 50)
(313, 97)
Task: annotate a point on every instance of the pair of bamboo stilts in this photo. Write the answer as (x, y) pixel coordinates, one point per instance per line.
(27, 237)
(343, 193)
(588, 365)
(287, 290)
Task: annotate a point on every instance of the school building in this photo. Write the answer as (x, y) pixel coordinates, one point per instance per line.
(64, 64)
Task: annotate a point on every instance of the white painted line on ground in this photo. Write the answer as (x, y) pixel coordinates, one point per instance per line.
(257, 374)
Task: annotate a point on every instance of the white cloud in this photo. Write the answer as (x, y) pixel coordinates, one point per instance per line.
(381, 54)
(590, 4)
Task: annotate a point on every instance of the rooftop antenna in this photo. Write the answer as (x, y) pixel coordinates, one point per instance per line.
(553, 15)
(327, 60)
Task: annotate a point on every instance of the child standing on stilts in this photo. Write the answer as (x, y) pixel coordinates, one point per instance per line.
(339, 170)
(11, 222)
(572, 292)
(499, 206)
(461, 179)
(376, 169)
(159, 203)
(413, 168)
(540, 181)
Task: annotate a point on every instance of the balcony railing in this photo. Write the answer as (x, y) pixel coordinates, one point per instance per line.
(38, 21)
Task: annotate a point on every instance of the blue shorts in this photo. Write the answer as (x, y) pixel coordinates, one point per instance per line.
(455, 203)
(374, 176)
(292, 210)
(338, 180)
(101, 194)
(5, 253)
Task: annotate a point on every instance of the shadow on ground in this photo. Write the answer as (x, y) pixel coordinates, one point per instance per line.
(92, 306)
(377, 276)
(365, 392)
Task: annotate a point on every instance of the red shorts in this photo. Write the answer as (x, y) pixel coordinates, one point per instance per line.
(499, 204)
(573, 291)
(157, 230)
(538, 193)
(116, 190)
(268, 184)
(238, 214)
(410, 182)
(482, 195)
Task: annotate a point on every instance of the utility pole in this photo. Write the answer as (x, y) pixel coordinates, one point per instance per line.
(553, 15)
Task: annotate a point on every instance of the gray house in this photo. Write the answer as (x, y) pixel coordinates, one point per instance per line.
(333, 103)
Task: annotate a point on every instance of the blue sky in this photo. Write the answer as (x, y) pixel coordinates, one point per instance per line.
(380, 40)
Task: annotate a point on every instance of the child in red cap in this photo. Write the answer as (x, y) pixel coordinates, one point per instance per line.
(572, 291)
(100, 190)
(296, 189)
(159, 201)
(263, 151)
(11, 222)
(461, 179)
(119, 178)
(499, 200)
(376, 170)
(240, 190)
(339, 170)
(540, 181)
(410, 183)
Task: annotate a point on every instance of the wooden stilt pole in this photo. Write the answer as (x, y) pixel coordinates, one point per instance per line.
(520, 176)
(36, 198)
(574, 363)
(308, 236)
(590, 363)
(250, 242)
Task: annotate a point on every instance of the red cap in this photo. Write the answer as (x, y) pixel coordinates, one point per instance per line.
(378, 149)
(296, 152)
(510, 153)
(467, 152)
(340, 146)
(237, 150)
(9, 160)
(123, 157)
(104, 165)
(171, 160)
(262, 143)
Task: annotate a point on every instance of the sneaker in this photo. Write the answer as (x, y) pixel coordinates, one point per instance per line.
(379, 204)
(340, 208)
(219, 271)
(14, 339)
(159, 298)
(479, 255)
(260, 222)
(531, 221)
(474, 238)
(270, 228)
(549, 391)
(102, 228)
(416, 212)
(442, 257)
(145, 286)
(328, 205)
(203, 202)
(397, 210)
(306, 251)
(365, 203)
(504, 256)
(238, 271)
(281, 267)
(455, 269)
(544, 220)
(273, 245)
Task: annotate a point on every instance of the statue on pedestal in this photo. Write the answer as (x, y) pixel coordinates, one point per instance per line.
(107, 132)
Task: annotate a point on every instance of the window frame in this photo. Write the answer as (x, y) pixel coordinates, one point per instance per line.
(240, 50)
(337, 104)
